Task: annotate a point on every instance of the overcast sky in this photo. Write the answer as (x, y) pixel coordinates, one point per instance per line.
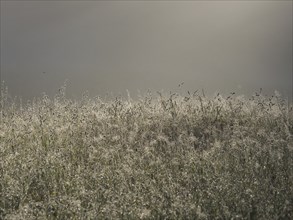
(109, 47)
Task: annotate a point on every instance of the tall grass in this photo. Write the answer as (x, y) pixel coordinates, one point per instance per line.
(161, 157)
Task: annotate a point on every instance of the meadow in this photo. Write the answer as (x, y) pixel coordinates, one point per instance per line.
(159, 157)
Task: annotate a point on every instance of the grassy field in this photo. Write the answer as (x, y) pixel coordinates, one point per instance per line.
(160, 157)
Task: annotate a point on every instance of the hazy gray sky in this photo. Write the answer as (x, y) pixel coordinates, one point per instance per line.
(112, 46)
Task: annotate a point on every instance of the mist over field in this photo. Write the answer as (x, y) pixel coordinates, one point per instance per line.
(110, 47)
(146, 110)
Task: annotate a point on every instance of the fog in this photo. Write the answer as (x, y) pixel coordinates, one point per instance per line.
(111, 47)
